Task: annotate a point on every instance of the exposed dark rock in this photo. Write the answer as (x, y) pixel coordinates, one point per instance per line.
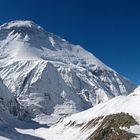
(92, 123)
(110, 128)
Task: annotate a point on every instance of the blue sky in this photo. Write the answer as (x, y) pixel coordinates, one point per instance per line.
(109, 29)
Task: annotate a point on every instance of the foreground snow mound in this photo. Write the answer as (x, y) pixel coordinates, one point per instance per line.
(52, 78)
(118, 118)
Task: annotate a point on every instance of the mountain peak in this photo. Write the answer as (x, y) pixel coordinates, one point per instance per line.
(24, 39)
(20, 23)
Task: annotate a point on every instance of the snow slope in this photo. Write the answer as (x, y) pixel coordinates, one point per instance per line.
(52, 78)
(82, 125)
(10, 127)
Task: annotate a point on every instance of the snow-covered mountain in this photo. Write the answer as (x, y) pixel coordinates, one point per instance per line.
(118, 118)
(52, 78)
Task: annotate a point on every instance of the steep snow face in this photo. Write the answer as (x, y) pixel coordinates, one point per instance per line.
(51, 77)
(83, 125)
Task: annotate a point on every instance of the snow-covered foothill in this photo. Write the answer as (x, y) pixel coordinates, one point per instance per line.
(82, 125)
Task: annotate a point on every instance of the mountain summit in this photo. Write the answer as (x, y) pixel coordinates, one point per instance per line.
(51, 77)
(22, 40)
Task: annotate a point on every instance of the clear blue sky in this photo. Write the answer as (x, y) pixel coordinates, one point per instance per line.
(110, 29)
